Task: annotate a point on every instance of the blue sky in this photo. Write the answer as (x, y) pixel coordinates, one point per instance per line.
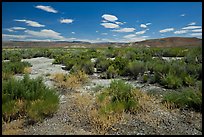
(100, 21)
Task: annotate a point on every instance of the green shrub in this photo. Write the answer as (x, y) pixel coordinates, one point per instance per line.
(136, 67)
(121, 64)
(186, 98)
(87, 67)
(102, 64)
(27, 90)
(121, 95)
(189, 80)
(145, 78)
(171, 81)
(14, 67)
(111, 72)
(69, 64)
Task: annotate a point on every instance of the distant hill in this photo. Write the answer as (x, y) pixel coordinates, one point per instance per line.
(162, 42)
(170, 42)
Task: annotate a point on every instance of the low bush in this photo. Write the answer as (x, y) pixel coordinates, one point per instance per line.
(188, 80)
(102, 64)
(14, 67)
(118, 97)
(121, 64)
(136, 67)
(18, 97)
(171, 81)
(71, 81)
(111, 72)
(85, 65)
(187, 98)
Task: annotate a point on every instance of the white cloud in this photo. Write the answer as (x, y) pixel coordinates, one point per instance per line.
(6, 36)
(183, 15)
(125, 30)
(69, 39)
(196, 34)
(166, 30)
(44, 40)
(104, 21)
(192, 27)
(145, 36)
(148, 24)
(110, 25)
(114, 35)
(180, 31)
(143, 26)
(129, 36)
(104, 33)
(73, 32)
(45, 33)
(96, 31)
(10, 30)
(66, 21)
(109, 17)
(46, 8)
(192, 23)
(135, 39)
(31, 23)
(119, 23)
(197, 30)
(18, 28)
(140, 32)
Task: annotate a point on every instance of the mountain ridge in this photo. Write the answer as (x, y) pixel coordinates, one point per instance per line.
(160, 42)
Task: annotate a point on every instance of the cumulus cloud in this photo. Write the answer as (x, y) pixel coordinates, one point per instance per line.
(129, 36)
(110, 25)
(73, 32)
(109, 17)
(180, 31)
(143, 26)
(166, 30)
(46, 8)
(125, 30)
(30, 23)
(197, 30)
(192, 23)
(192, 27)
(66, 21)
(45, 33)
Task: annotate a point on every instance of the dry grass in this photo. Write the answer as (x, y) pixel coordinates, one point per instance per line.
(71, 81)
(14, 128)
(27, 70)
(87, 110)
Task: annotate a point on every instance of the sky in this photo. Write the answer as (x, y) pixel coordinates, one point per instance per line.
(100, 21)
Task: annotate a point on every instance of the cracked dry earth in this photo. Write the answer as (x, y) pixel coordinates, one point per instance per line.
(71, 119)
